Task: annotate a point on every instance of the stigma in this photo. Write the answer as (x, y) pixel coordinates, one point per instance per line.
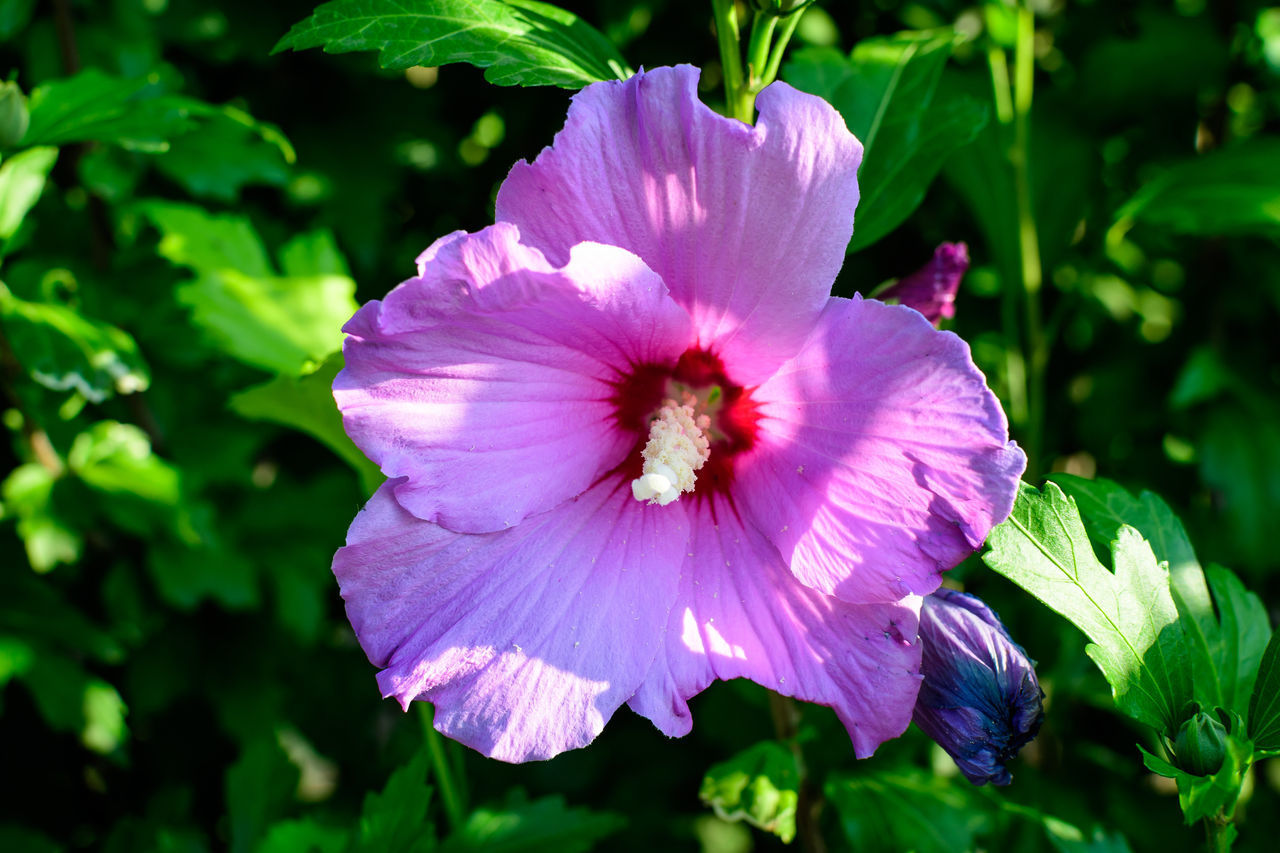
(678, 446)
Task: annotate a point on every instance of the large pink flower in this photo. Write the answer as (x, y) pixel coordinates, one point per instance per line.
(634, 445)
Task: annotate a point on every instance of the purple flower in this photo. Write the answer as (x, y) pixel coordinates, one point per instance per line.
(931, 290)
(980, 700)
(634, 446)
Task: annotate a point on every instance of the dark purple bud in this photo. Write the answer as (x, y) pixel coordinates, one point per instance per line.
(980, 700)
(931, 290)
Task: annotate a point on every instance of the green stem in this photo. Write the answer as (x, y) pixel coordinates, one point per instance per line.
(762, 27)
(726, 16)
(1028, 239)
(785, 712)
(789, 24)
(451, 795)
(1217, 832)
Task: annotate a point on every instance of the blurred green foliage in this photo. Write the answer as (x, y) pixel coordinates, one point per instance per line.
(187, 219)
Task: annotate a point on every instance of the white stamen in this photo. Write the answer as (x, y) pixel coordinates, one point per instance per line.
(677, 447)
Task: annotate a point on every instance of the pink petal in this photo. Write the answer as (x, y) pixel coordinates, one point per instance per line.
(740, 614)
(746, 225)
(882, 458)
(526, 640)
(486, 382)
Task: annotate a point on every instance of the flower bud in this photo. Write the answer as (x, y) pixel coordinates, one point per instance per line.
(1201, 744)
(980, 699)
(13, 115)
(931, 290)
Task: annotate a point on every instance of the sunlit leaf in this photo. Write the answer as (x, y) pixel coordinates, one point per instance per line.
(759, 785)
(1226, 641)
(63, 350)
(22, 179)
(282, 324)
(1129, 615)
(518, 42)
(28, 496)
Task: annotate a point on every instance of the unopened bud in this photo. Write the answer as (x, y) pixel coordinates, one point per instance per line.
(1201, 744)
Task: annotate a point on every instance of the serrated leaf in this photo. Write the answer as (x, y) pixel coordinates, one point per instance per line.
(1226, 642)
(521, 826)
(885, 91)
(65, 351)
(1232, 190)
(22, 179)
(282, 324)
(1129, 615)
(306, 403)
(396, 818)
(517, 42)
(759, 785)
(1264, 704)
(911, 810)
(95, 106)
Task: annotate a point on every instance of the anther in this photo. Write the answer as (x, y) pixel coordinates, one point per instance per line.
(676, 449)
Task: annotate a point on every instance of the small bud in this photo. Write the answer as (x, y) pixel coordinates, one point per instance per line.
(980, 699)
(1201, 744)
(931, 290)
(13, 115)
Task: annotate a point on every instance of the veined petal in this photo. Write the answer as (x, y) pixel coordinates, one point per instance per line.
(747, 225)
(486, 382)
(740, 614)
(882, 458)
(526, 640)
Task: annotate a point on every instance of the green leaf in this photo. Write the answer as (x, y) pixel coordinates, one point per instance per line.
(885, 91)
(909, 810)
(521, 826)
(303, 836)
(1234, 190)
(48, 539)
(229, 152)
(1225, 643)
(14, 15)
(116, 459)
(1206, 796)
(71, 699)
(396, 818)
(187, 574)
(1130, 616)
(306, 404)
(281, 324)
(1264, 704)
(33, 610)
(518, 42)
(94, 106)
(759, 785)
(65, 351)
(22, 179)
(259, 787)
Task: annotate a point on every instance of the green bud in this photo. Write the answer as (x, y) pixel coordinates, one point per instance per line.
(13, 114)
(1201, 744)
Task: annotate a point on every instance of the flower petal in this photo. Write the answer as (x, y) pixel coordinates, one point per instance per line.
(526, 640)
(747, 225)
(486, 382)
(882, 458)
(740, 614)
